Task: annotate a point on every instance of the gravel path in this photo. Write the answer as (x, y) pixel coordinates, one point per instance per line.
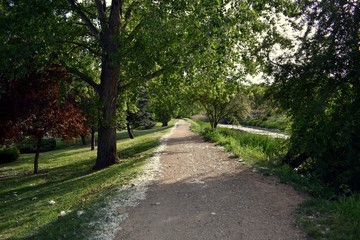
(201, 193)
(256, 131)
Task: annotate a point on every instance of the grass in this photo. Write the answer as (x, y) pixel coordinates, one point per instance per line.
(278, 122)
(321, 217)
(333, 220)
(253, 149)
(66, 178)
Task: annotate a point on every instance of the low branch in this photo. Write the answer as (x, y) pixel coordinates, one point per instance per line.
(102, 15)
(83, 45)
(134, 32)
(83, 77)
(154, 74)
(83, 16)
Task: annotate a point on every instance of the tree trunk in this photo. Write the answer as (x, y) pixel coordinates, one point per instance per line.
(213, 123)
(129, 130)
(36, 160)
(83, 140)
(106, 150)
(108, 91)
(295, 162)
(165, 119)
(92, 138)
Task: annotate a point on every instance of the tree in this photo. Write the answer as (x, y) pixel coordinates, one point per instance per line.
(166, 94)
(129, 42)
(32, 106)
(321, 91)
(221, 99)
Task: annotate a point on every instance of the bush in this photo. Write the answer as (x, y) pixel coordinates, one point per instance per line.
(28, 145)
(9, 154)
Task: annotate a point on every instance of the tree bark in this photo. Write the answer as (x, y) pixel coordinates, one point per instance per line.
(295, 162)
(37, 154)
(165, 119)
(129, 130)
(108, 91)
(92, 138)
(106, 150)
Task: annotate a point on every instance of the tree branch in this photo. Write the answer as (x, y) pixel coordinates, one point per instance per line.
(83, 77)
(134, 31)
(101, 14)
(128, 14)
(154, 74)
(83, 16)
(83, 45)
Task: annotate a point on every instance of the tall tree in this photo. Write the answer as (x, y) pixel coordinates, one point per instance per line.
(128, 41)
(321, 91)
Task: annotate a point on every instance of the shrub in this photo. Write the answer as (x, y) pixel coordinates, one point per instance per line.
(9, 154)
(28, 145)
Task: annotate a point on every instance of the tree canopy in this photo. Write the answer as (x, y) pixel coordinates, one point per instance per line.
(115, 46)
(321, 91)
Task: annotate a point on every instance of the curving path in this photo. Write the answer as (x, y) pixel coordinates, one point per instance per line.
(201, 193)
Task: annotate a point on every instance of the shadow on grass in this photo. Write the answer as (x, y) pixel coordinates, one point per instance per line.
(138, 133)
(137, 149)
(68, 180)
(89, 194)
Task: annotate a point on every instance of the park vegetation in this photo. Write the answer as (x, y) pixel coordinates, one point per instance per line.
(88, 69)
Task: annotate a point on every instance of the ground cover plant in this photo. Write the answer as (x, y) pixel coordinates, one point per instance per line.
(325, 216)
(31, 205)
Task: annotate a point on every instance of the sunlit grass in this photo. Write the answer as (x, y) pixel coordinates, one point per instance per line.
(30, 204)
(322, 217)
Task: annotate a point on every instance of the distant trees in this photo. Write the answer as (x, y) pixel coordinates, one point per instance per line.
(32, 106)
(321, 91)
(221, 99)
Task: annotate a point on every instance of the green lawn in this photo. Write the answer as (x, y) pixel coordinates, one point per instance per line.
(30, 205)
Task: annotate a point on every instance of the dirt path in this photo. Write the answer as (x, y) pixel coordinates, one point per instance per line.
(256, 131)
(201, 193)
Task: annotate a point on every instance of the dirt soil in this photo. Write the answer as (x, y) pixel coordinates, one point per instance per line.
(203, 193)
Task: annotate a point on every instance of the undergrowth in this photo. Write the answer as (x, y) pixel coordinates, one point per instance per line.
(325, 215)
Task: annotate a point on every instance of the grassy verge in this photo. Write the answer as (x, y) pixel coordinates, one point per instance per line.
(321, 218)
(273, 122)
(31, 205)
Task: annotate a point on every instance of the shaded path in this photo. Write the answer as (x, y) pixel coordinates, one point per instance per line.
(201, 193)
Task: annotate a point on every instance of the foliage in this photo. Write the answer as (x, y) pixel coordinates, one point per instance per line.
(264, 112)
(119, 45)
(167, 95)
(32, 106)
(28, 145)
(25, 199)
(321, 92)
(218, 92)
(139, 115)
(9, 154)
